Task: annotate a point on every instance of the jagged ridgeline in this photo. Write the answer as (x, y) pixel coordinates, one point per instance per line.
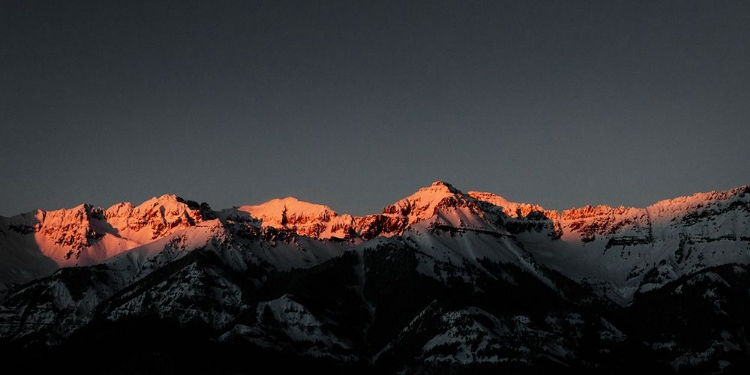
(441, 281)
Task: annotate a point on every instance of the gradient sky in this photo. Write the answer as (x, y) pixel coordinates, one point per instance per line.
(356, 104)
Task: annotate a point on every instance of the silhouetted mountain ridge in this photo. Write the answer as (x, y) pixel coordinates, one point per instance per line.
(440, 281)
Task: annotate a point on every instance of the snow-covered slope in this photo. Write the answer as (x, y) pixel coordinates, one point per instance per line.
(284, 324)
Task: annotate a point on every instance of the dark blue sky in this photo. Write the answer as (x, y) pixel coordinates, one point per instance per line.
(356, 104)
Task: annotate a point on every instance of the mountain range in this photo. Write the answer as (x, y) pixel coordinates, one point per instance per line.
(441, 281)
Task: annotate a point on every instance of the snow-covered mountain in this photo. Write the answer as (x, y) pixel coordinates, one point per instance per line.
(441, 280)
(87, 235)
(623, 251)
